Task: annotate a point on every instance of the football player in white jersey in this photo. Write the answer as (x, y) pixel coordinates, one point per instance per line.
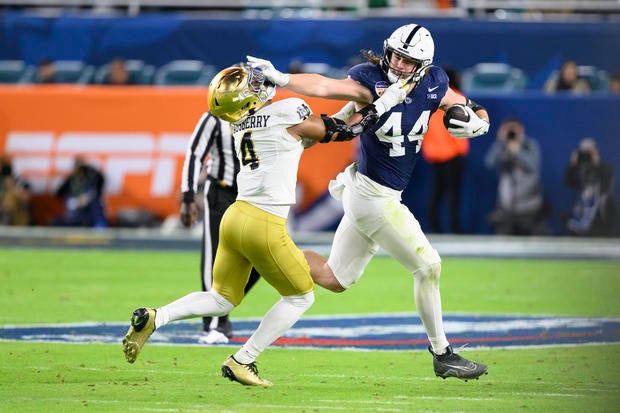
(371, 188)
(268, 141)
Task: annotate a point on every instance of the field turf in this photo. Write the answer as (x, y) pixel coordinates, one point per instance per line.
(54, 286)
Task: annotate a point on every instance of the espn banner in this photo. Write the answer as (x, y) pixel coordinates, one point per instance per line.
(136, 135)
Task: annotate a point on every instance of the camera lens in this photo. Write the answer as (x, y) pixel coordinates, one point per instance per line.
(584, 157)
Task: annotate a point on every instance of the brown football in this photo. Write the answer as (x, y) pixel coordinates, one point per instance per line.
(456, 111)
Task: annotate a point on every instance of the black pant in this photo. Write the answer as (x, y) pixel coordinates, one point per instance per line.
(219, 198)
(446, 183)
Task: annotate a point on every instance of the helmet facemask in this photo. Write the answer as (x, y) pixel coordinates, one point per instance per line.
(258, 85)
(237, 92)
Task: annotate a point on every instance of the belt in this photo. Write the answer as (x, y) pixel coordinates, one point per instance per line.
(222, 184)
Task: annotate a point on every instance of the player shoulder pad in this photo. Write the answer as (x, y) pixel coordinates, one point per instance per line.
(291, 111)
(437, 75)
(367, 74)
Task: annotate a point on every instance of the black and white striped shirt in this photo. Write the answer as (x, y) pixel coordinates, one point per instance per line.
(212, 136)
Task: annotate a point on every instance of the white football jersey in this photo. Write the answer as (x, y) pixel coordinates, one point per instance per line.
(269, 155)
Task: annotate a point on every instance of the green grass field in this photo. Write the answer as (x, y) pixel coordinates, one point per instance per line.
(53, 286)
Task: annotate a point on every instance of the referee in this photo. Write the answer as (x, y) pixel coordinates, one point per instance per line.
(211, 140)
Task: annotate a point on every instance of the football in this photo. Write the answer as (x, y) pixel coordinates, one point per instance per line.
(456, 111)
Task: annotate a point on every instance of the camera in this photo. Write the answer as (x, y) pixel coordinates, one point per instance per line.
(584, 157)
(511, 135)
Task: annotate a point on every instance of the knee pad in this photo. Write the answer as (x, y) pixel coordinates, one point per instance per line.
(300, 300)
(431, 271)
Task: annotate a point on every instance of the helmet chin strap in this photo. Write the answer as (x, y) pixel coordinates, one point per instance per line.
(394, 78)
(415, 76)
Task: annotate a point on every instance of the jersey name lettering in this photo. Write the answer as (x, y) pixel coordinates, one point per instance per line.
(252, 122)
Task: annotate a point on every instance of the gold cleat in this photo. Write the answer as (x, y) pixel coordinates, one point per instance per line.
(141, 328)
(246, 374)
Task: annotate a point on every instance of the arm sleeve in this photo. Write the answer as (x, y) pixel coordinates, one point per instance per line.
(345, 112)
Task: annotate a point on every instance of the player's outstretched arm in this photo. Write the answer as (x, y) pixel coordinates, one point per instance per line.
(313, 84)
(333, 129)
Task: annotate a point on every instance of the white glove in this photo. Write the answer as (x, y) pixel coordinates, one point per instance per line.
(474, 127)
(391, 96)
(271, 73)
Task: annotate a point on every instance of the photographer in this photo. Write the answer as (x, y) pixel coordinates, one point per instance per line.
(593, 212)
(15, 195)
(82, 193)
(520, 206)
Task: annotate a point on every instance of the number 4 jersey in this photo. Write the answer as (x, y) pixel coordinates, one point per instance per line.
(269, 155)
(389, 149)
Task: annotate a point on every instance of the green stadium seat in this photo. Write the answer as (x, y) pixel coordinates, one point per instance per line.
(184, 73)
(493, 77)
(15, 72)
(72, 71)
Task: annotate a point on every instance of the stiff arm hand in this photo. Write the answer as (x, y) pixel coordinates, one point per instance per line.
(271, 73)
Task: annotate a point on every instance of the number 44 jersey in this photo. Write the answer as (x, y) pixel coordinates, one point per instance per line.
(269, 155)
(389, 150)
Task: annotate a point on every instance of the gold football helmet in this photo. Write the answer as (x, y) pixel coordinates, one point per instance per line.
(237, 92)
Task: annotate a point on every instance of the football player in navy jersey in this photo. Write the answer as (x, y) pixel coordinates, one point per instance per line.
(371, 188)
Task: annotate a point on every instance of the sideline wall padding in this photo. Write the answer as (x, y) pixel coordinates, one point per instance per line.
(136, 135)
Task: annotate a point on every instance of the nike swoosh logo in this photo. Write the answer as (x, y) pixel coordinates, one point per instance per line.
(466, 368)
(430, 89)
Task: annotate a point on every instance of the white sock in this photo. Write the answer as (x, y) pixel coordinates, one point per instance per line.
(278, 319)
(196, 304)
(428, 303)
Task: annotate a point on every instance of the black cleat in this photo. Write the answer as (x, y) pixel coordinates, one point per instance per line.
(451, 364)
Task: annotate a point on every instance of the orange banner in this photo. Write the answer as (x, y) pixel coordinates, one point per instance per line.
(136, 135)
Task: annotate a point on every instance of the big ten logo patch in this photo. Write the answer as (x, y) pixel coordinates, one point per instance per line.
(137, 166)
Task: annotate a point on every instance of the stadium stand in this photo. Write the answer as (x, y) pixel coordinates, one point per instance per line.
(493, 77)
(72, 72)
(597, 78)
(518, 9)
(15, 71)
(184, 73)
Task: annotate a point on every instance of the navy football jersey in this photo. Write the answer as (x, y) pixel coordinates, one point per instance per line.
(389, 149)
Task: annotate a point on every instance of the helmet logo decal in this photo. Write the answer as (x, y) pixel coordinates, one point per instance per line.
(303, 111)
(407, 42)
(380, 87)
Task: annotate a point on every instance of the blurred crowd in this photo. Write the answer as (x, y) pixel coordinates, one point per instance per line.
(569, 77)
